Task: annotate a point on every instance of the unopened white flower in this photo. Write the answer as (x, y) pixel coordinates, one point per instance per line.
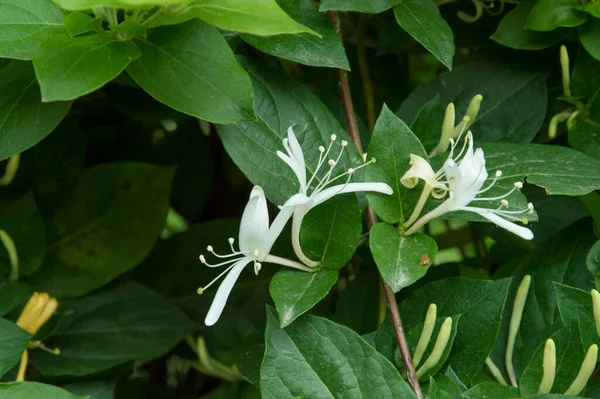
(256, 239)
(311, 195)
(465, 178)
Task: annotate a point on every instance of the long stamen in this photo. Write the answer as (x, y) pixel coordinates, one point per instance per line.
(203, 260)
(332, 164)
(498, 175)
(517, 186)
(351, 171)
(224, 272)
(468, 137)
(322, 157)
(211, 250)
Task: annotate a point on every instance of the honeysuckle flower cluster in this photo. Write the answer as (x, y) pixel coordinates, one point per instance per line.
(462, 178)
(310, 196)
(257, 236)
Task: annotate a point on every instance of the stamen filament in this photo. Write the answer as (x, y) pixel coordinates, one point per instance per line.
(497, 198)
(498, 174)
(224, 272)
(203, 260)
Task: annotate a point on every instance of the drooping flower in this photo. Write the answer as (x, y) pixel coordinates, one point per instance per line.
(465, 178)
(256, 238)
(317, 189)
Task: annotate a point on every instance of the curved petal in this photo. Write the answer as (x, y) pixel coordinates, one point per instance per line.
(514, 228)
(420, 169)
(296, 200)
(298, 154)
(216, 308)
(299, 214)
(275, 230)
(255, 221)
(350, 188)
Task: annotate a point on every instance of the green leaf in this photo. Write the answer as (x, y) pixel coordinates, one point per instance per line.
(29, 390)
(551, 14)
(593, 260)
(20, 104)
(23, 223)
(12, 345)
(480, 304)
(129, 322)
(585, 77)
(12, 295)
(559, 170)
(569, 356)
(391, 145)
(344, 364)
(367, 7)
(358, 297)
(262, 18)
(511, 31)
(575, 305)
(584, 136)
(327, 51)
(282, 102)
(77, 23)
(513, 106)
(422, 20)
(74, 5)
(588, 35)
(402, 260)
(331, 231)
(492, 390)
(130, 28)
(104, 227)
(295, 292)
(177, 67)
(68, 67)
(591, 8)
(445, 388)
(95, 389)
(560, 259)
(427, 126)
(26, 24)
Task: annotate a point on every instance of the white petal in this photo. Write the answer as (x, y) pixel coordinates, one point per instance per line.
(420, 169)
(296, 200)
(255, 221)
(275, 230)
(292, 164)
(296, 150)
(514, 228)
(216, 308)
(350, 188)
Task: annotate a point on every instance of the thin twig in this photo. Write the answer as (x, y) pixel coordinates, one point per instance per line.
(365, 75)
(372, 220)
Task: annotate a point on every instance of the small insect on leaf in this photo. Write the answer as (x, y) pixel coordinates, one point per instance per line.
(424, 260)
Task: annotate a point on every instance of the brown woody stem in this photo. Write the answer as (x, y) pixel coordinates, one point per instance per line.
(372, 220)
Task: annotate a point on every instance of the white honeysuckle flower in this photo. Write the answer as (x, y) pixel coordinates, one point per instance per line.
(465, 178)
(310, 196)
(256, 239)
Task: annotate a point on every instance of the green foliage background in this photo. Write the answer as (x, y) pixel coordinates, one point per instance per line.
(141, 125)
